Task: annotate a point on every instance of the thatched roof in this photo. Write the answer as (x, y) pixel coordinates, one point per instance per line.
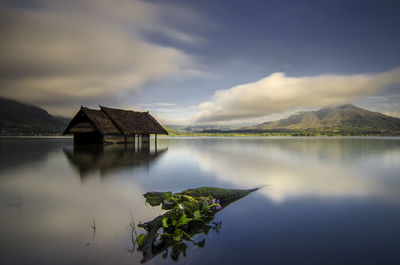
(109, 121)
(133, 122)
(100, 121)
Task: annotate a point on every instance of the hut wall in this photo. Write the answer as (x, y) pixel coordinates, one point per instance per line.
(118, 139)
(88, 138)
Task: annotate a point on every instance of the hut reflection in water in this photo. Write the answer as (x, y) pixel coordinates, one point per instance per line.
(106, 159)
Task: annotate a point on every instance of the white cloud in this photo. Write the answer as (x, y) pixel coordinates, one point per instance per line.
(395, 113)
(61, 54)
(278, 93)
(158, 104)
(175, 115)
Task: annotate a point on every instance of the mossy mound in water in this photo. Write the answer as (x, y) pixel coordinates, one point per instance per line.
(187, 213)
(156, 198)
(225, 196)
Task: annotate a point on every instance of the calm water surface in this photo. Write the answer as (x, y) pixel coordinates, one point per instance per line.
(327, 200)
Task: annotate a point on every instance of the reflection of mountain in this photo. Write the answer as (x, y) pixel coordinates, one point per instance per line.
(18, 152)
(296, 167)
(343, 149)
(327, 149)
(106, 159)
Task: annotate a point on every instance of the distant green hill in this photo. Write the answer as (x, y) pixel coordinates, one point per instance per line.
(335, 118)
(341, 120)
(329, 121)
(174, 132)
(17, 118)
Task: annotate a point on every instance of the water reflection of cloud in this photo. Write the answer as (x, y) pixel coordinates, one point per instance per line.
(25, 152)
(304, 168)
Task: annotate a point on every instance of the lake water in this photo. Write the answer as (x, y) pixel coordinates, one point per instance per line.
(326, 200)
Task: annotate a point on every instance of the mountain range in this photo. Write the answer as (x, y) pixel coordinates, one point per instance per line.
(345, 117)
(340, 120)
(17, 118)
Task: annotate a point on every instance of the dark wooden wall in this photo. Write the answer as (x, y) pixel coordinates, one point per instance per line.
(88, 138)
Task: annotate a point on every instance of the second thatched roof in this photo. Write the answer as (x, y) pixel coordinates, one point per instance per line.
(117, 122)
(133, 122)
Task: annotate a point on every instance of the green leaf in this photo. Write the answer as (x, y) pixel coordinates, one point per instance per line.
(140, 239)
(177, 235)
(164, 222)
(204, 205)
(196, 214)
(181, 206)
(182, 220)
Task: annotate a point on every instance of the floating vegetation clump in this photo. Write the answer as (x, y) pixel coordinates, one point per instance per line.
(187, 213)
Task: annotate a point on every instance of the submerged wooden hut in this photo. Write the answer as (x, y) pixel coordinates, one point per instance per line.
(109, 125)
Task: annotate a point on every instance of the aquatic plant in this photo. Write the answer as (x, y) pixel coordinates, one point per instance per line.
(187, 213)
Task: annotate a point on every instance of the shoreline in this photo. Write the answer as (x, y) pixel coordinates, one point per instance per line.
(212, 136)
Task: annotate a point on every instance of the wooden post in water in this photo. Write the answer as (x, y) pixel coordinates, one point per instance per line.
(155, 142)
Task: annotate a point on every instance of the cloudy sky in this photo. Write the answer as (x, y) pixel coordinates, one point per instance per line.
(199, 62)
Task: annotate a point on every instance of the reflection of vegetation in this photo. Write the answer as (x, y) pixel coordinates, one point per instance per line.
(133, 234)
(188, 213)
(18, 204)
(94, 228)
